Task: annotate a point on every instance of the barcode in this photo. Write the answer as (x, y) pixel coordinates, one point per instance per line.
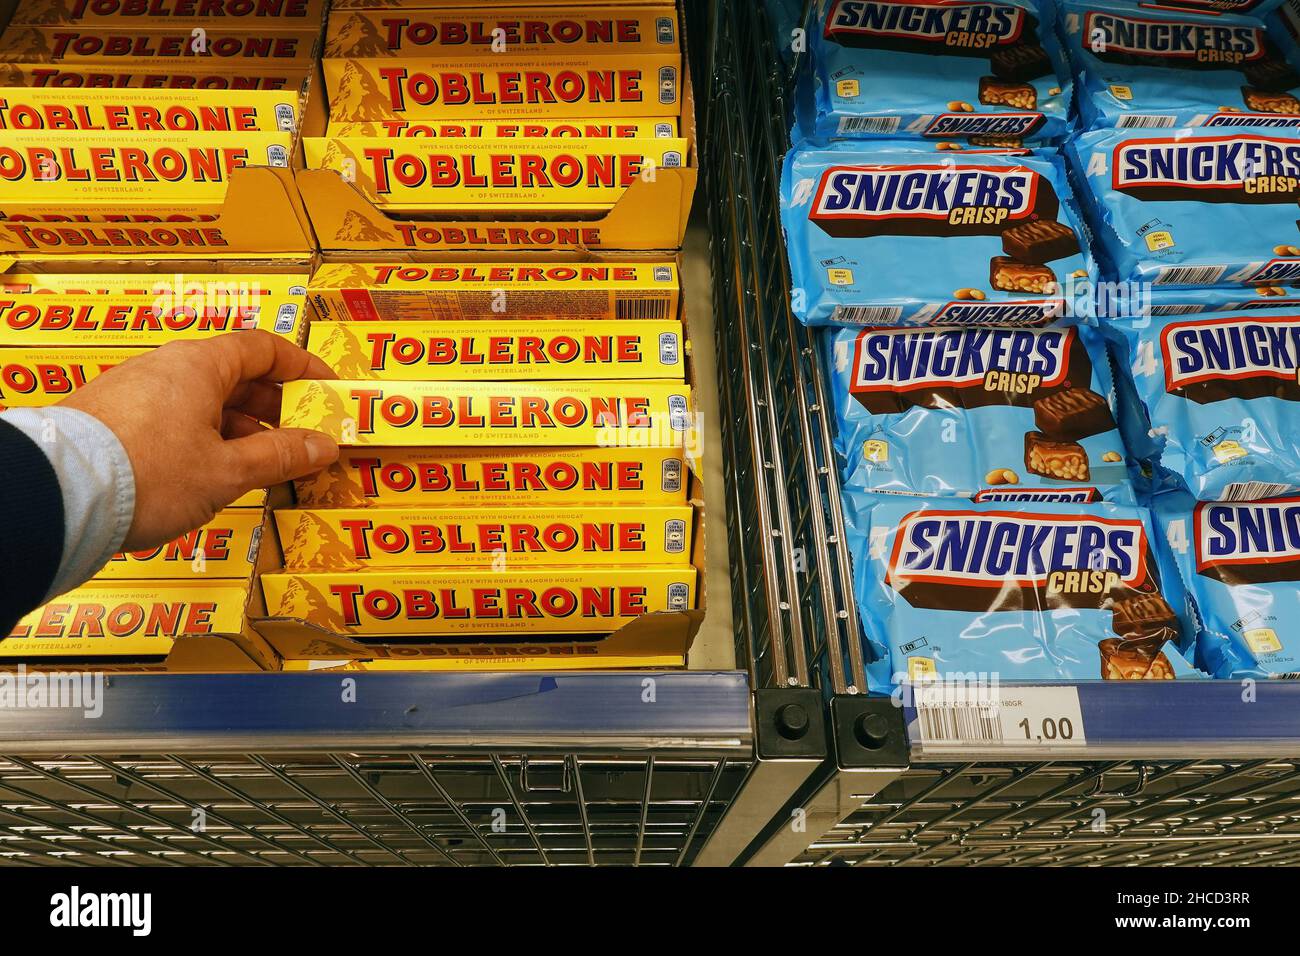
(1253, 490)
(641, 309)
(869, 124)
(1145, 122)
(1189, 275)
(1176, 309)
(867, 314)
(942, 722)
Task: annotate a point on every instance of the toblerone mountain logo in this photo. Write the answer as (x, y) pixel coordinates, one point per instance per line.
(1188, 43)
(928, 199)
(1249, 357)
(1234, 169)
(995, 560)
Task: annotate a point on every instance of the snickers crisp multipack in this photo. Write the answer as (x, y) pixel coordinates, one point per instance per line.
(1240, 561)
(1143, 67)
(1026, 592)
(994, 414)
(1194, 207)
(987, 73)
(1216, 399)
(879, 236)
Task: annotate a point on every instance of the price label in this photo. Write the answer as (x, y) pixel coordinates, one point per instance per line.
(1000, 718)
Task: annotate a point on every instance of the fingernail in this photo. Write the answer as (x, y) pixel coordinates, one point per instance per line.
(320, 449)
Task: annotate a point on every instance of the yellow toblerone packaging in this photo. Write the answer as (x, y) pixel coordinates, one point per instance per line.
(127, 619)
(225, 547)
(433, 603)
(244, 14)
(590, 30)
(152, 75)
(126, 44)
(483, 351)
(503, 86)
(496, 477)
(625, 128)
(55, 319)
(128, 171)
(414, 174)
(181, 286)
(35, 377)
(401, 291)
(495, 539)
(176, 111)
(639, 412)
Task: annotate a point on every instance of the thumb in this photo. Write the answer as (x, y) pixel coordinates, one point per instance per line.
(280, 454)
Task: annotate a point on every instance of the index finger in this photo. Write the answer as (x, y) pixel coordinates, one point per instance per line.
(252, 354)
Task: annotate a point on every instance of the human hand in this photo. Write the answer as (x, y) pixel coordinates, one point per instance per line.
(189, 415)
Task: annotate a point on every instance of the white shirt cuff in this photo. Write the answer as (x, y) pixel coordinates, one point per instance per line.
(97, 483)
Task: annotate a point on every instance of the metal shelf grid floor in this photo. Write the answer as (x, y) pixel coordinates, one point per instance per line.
(1064, 813)
(390, 808)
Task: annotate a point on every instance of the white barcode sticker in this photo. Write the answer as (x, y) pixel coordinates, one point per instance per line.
(1034, 718)
(1253, 490)
(1145, 121)
(1189, 275)
(867, 314)
(869, 124)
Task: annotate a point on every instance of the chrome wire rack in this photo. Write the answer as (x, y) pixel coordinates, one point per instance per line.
(1118, 813)
(385, 808)
(632, 768)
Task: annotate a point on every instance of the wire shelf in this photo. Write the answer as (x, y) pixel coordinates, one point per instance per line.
(349, 809)
(1118, 813)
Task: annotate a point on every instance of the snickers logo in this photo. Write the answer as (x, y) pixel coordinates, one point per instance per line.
(1033, 312)
(1013, 125)
(1249, 357)
(930, 200)
(1186, 45)
(1012, 561)
(1254, 542)
(894, 369)
(1073, 496)
(928, 26)
(1235, 169)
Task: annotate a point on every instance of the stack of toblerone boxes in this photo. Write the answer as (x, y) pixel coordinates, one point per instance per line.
(122, 127)
(516, 483)
(530, 110)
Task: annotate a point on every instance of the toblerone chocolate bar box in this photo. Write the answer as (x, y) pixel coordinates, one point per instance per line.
(177, 285)
(127, 171)
(623, 128)
(143, 14)
(127, 619)
(151, 75)
(605, 413)
(590, 30)
(400, 291)
(112, 320)
(496, 539)
(482, 351)
(429, 174)
(35, 377)
(433, 603)
(225, 547)
(503, 86)
(125, 43)
(178, 111)
(496, 477)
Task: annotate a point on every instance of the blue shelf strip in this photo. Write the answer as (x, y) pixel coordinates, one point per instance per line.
(150, 712)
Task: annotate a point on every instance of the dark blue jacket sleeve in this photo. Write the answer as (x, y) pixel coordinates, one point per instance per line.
(31, 525)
